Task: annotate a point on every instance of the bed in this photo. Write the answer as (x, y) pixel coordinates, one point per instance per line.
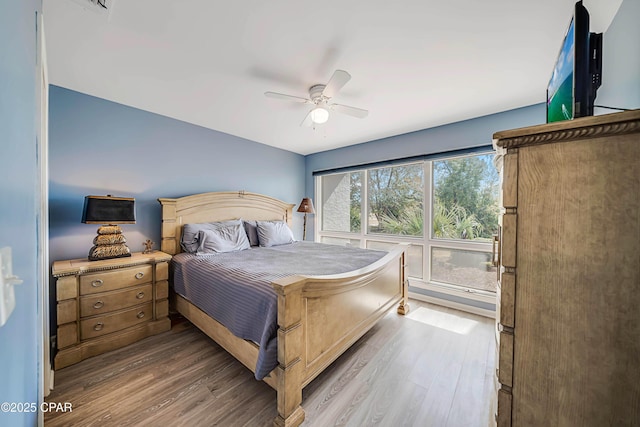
(318, 316)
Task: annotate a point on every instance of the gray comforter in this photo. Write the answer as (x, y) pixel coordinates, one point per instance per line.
(235, 288)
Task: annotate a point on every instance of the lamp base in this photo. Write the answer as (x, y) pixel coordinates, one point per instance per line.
(304, 227)
(109, 243)
(109, 251)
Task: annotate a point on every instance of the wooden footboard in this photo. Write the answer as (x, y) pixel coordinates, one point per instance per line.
(320, 317)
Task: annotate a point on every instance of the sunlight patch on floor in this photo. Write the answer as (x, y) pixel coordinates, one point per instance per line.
(450, 322)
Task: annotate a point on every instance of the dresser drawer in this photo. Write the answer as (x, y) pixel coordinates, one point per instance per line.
(505, 364)
(507, 315)
(115, 279)
(505, 401)
(116, 300)
(105, 324)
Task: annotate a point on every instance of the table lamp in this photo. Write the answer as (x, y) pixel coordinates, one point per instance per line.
(109, 211)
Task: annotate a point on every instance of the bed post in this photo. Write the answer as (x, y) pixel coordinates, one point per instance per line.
(169, 243)
(290, 351)
(403, 307)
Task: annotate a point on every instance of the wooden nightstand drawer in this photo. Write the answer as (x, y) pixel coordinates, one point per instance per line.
(67, 311)
(162, 271)
(115, 279)
(115, 300)
(162, 290)
(66, 288)
(113, 322)
(67, 335)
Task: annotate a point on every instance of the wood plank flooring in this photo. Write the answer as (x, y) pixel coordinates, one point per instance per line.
(433, 367)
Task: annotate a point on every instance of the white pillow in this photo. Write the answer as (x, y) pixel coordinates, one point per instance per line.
(274, 233)
(229, 238)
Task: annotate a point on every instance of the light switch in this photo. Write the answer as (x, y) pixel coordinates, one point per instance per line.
(7, 281)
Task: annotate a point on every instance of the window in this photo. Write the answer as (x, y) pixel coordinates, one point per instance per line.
(465, 198)
(469, 269)
(395, 196)
(378, 207)
(464, 209)
(414, 256)
(341, 202)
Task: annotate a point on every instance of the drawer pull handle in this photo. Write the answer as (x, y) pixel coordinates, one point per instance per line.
(98, 326)
(140, 295)
(140, 315)
(97, 283)
(98, 304)
(139, 275)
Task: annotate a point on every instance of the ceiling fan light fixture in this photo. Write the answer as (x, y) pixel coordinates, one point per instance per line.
(319, 115)
(319, 96)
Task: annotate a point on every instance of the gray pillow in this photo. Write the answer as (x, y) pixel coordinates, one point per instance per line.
(252, 231)
(274, 233)
(190, 233)
(229, 238)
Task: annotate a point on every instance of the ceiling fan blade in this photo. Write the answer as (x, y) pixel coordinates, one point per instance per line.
(337, 81)
(351, 111)
(287, 97)
(307, 122)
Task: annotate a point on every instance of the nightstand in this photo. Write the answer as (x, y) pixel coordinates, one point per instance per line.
(108, 304)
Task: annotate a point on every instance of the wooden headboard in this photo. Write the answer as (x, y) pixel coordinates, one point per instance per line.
(220, 206)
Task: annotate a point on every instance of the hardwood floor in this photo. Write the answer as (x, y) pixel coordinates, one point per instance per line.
(433, 367)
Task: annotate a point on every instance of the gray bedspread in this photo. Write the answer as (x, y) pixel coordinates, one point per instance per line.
(235, 288)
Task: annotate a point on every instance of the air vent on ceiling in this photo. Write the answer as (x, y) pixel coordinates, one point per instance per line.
(98, 6)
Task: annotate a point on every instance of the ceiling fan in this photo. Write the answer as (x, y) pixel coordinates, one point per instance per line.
(319, 96)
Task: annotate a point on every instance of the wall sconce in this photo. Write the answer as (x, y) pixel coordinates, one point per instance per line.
(306, 206)
(110, 211)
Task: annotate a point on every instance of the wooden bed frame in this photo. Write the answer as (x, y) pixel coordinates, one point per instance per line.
(319, 317)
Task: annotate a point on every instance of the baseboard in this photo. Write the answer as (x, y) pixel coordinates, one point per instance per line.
(451, 304)
(49, 387)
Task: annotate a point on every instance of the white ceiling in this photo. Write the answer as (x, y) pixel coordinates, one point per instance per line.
(415, 64)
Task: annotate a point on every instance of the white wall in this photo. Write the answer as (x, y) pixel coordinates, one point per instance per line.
(621, 60)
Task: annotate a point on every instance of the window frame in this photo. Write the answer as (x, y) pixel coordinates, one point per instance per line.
(426, 242)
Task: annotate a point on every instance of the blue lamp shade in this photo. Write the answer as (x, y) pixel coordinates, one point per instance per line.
(108, 210)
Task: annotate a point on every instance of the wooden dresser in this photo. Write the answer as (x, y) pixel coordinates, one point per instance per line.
(104, 305)
(568, 316)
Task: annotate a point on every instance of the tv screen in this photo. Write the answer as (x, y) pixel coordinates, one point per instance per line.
(560, 90)
(575, 79)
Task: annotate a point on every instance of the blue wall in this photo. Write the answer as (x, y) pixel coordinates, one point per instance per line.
(20, 336)
(98, 147)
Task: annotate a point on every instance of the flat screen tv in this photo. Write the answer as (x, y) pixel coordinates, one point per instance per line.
(577, 73)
